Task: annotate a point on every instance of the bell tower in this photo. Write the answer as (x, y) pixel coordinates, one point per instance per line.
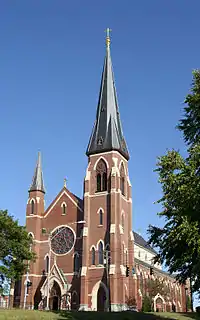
(107, 235)
(35, 203)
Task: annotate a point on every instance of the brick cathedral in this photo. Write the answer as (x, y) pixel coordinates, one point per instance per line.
(88, 257)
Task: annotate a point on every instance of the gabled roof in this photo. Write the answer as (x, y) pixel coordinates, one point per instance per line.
(75, 199)
(107, 132)
(143, 243)
(37, 182)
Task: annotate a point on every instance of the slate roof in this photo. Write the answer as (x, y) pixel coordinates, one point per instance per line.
(38, 182)
(145, 264)
(143, 243)
(107, 132)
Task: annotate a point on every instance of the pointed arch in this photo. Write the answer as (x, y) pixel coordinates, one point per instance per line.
(31, 234)
(122, 179)
(100, 213)
(101, 176)
(93, 254)
(32, 206)
(75, 300)
(64, 208)
(100, 252)
(76, 262)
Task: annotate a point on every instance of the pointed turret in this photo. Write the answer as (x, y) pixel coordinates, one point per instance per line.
(38, 183)
(107, 132)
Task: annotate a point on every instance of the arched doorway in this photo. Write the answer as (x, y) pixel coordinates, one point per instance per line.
(101, 299)
(55, 297)
(75, 301)
(159, 305)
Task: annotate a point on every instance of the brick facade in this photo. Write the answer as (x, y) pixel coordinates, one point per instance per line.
(92, 275)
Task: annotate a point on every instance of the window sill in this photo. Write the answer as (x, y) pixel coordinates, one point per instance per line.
(100, 226)
(63, 214)
(101, 192)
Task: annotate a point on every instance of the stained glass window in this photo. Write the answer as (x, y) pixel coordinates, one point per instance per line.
(100, 249)
(122, 179)
(101, 176)
(93, 256)
(100, 217)
(62, 240)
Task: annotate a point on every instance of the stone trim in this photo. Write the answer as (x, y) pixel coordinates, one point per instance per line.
(53, 205)
(109, 152)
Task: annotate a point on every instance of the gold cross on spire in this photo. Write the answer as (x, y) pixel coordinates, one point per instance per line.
(65, 182)
(108, 30)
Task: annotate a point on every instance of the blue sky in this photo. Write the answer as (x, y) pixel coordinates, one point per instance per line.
(51, 59)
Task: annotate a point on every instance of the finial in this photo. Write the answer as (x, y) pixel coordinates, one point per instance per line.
(108, 30)
(65, 183)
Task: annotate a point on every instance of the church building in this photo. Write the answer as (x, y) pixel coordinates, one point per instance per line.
(88, 257)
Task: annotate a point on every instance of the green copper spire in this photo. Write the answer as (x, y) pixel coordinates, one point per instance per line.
(107, 132)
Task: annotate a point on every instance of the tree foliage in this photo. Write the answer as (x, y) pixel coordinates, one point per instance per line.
(157, 286)
(14, 249)
(146, 304)
(179, 240)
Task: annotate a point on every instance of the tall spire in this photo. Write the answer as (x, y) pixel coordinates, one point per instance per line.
(107, 132)
(38, 183)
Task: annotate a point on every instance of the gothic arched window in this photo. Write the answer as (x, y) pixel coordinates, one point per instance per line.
(32, 206)
(64, 208)
(101, 176)
(100, 217)
(93, 256)
(122, 180)
(47, 264)
(76, 262)
(100, 251)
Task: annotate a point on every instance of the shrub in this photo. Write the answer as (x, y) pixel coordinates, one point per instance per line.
(146, 304)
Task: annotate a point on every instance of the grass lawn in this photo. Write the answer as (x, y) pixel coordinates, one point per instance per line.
(42, 315)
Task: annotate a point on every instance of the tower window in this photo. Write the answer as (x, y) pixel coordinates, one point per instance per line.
(64, 207)
(122, 180)
(101, 176)
(100, 217)
(100, 251)
(32, 206)
(98, 182)
(76, 262)
(93, 256)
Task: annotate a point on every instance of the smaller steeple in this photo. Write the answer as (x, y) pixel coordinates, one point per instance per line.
(38, 183)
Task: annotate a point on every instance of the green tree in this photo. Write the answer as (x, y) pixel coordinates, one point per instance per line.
(146, 304)
(14, 249)
(178, 242)
(157, 286)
